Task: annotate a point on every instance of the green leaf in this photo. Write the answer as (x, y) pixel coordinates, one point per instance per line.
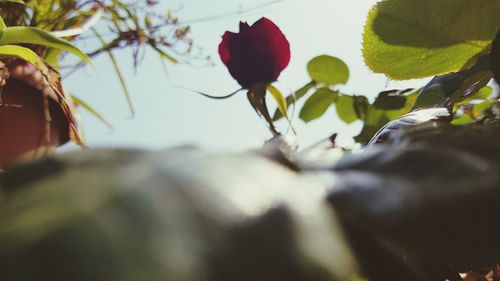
(420, 38)
(279, 98)
(31, 35)
(91, 110)
(448, 89)
(391, 99)
(374, 116)
(293, 98)
(123, 84)
(483, 94)
(52, 57)
(463, 119)
(361, 106)
(378, 129)
(118, 72)
(164, 55)
(367, 133)
(26, 54)
(375, 119)
(410, 101)
(317, 104)
(479, 108)
(345, 109)
(328, 70)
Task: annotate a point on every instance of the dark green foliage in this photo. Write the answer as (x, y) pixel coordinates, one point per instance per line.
(495, 57)
(391, 99)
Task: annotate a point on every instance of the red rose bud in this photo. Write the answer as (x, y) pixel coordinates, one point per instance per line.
(257, 54)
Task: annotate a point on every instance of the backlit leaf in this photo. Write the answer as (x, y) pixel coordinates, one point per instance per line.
(345, 109)
(328, 70)
(279, 98)
(291, 99)
(479, 108)
(317, 104)
(407, 39)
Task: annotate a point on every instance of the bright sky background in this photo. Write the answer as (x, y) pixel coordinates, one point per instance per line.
(167, 116)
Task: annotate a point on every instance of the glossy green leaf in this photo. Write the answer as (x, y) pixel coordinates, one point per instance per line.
(345, 109)
(279, 98)
(450, 88)
(317, 104)
(31, 35)
(328, 70)
(293, 98)
(378, 128)
(91, 110)
(407, 39)
(483, 94)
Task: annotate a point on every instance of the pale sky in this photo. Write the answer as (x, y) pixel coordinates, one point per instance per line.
(167, 116)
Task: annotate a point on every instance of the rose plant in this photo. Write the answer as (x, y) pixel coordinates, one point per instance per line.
(415, 39)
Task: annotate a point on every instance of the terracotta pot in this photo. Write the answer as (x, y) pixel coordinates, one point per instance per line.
(22, 128)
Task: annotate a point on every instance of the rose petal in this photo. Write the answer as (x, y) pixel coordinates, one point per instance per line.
(257, 54)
